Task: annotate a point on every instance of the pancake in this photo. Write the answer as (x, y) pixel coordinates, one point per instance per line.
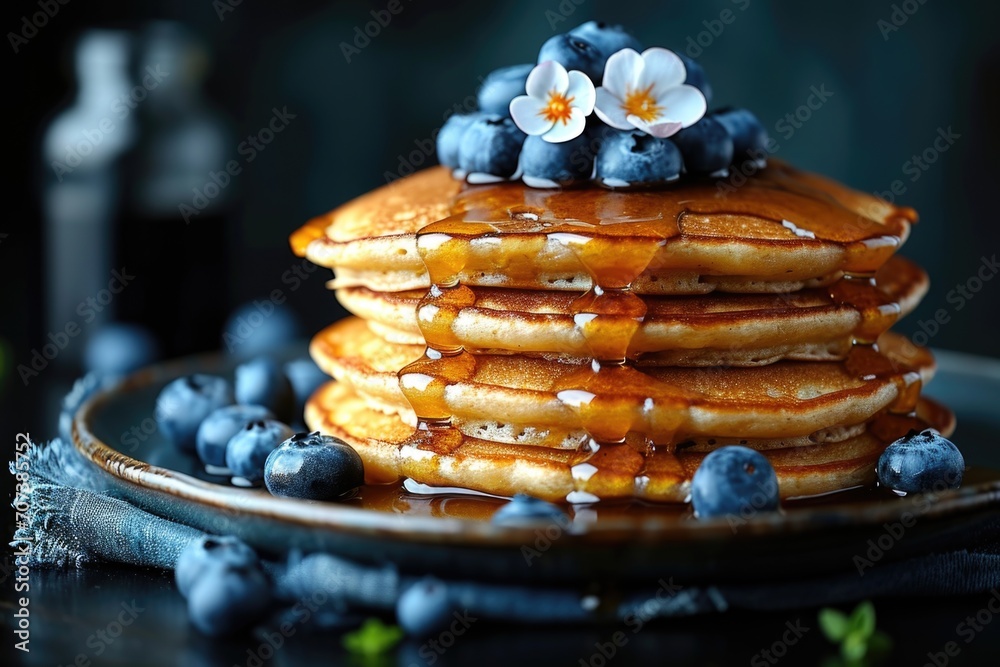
(782, 231)
(546, 400)
(718, 329)
(392, 449)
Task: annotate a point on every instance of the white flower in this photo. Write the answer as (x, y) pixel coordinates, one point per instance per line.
(647, 92)
(557, 104)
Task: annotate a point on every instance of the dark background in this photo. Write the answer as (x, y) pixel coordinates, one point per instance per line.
(891, 96)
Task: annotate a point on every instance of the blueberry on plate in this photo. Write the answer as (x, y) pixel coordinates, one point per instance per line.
(120, 348)
(306, 377)
(424, 608)
(736, 481)
(186, 402)
(313, 466)
(749, 136)
(575, 52)
(249, 448)
(696, 76)
(608, 38)
(490, 146)
(200, 554)
(548, 165)
(501, 86)
(259, 327)
(228, 597)
(261, 381)
(525, 509)
(222, 424)
(924, 461)
(706, 146)
(631, 157)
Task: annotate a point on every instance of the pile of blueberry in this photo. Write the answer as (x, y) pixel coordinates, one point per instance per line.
(488, 145)
(244, 432)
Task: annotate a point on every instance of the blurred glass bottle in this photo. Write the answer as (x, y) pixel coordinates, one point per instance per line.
(82, 151)
(172, 232)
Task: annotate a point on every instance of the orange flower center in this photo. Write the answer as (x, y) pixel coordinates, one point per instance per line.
(558, 108)
(641, 103)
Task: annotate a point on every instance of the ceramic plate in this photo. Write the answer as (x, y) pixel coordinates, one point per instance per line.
(452, 534)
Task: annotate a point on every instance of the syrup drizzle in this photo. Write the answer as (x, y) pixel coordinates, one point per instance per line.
(615, 238)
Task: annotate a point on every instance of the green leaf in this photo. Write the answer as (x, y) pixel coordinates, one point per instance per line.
(863, 619)
(879, 643)
(834, 624)
(854, 647)
(372, 638)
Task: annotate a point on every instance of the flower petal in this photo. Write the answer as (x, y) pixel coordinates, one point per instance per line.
(527, 113)
(622, 72)
(571, 129)
(581, 89)
(682, 104)
(609, 109)
(662, 70)
(661, 129)
(546, 77)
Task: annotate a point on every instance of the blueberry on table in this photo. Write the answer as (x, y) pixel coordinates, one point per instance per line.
(501, 86)
(261, 381)
(228, 597)
(734, 481)
(200, 554)
(696, 76)
(524, 509)
(706, 146)
(606, 37)
(449, 137)
(749, 136)
(921, 461)
(184, 403)
(490, 145)
(313, 466)
(631, 157)
(306, 377)
(424, 608)
(545, 164)
(222, 424)
(120, 348)
(249, 448)
(575, 52)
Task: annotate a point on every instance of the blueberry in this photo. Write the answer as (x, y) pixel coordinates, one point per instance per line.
(501, 86)
(449, 137)
(706, 146)
(525, 509)
(83, 388)
(260, 327)
(118, 349)
(544, 164)
(749, 136)
(209, 550)
(575, 52)
(314, 467)
(490, 145)
(227, 598)
(925, 461)
(306, 378)
(222, 424)
(631, 157)
(186, 402)
(696, 76)
(424, 608)
(262, 382)
(608, 38)
(734, 481)
(249, 448)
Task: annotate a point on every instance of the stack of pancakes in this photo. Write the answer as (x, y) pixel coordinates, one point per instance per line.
(585, 344)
